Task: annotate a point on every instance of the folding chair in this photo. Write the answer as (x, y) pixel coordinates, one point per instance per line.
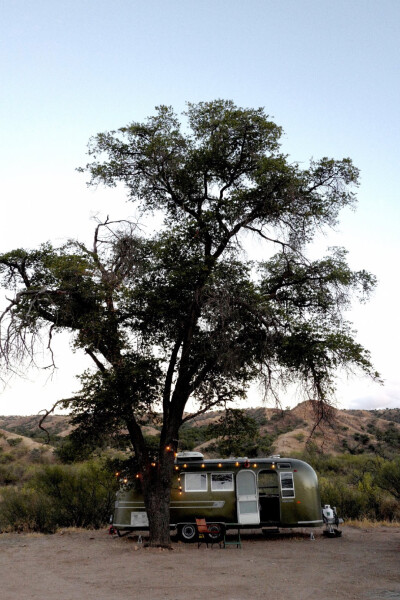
(208, 533)
(233, 540)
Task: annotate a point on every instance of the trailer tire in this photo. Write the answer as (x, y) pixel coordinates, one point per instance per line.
(215, 533)
(187, 533)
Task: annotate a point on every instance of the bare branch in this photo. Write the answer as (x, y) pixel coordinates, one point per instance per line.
(202, 410)
(47, 412)
(97, 362)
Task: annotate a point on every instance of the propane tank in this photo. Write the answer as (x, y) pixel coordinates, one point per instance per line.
(327, 512)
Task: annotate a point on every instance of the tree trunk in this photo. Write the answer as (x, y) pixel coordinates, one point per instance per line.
(157, 496)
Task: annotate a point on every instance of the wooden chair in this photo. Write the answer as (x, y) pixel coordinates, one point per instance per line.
(208, 533)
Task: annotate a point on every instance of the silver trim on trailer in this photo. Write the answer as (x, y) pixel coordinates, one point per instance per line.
(308, 522)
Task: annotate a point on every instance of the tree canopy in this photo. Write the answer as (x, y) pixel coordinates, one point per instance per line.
(182, 313)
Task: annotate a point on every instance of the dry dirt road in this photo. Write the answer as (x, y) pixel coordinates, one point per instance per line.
(84, 565)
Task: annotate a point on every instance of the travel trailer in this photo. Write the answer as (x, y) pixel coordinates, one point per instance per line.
(231, 493)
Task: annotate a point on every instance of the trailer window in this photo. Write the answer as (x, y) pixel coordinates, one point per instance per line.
(195, 482)
(287, 485)
(222, 482)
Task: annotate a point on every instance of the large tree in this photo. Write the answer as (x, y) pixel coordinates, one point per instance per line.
(182, 314)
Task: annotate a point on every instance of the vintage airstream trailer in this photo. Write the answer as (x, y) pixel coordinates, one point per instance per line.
(232, 493)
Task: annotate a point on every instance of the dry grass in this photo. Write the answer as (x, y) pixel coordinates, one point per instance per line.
(363, 523)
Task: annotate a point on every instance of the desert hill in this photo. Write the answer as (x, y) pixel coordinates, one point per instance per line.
(16, 452)
(56, 425)
(349, 431)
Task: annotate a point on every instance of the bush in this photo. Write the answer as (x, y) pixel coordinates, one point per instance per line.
(14, 441)
(358, 485)
(60, 496)
(8, 476)
(26, 510)
(6, 458)
(388, 477)
(350, 502)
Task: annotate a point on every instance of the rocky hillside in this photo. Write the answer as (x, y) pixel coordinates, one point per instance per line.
(290, 431)
(56, 425)
(286, 431)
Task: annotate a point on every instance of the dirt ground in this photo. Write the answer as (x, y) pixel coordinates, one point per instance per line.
(75, 565)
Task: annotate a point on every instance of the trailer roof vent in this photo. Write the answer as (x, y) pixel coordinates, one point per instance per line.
(186, 456)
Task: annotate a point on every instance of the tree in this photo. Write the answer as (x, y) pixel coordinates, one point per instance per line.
(237, 434)
(388, 477)
(181, 313)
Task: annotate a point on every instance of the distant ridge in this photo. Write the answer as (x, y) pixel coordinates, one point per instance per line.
(350, 431)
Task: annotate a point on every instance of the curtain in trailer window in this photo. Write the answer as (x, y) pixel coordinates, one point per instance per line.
(195, 482)
(287, 485)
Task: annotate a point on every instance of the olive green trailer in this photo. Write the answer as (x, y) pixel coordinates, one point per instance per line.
(234, 492)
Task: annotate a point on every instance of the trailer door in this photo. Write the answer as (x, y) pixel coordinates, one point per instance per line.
(247, 498)
(268, 493)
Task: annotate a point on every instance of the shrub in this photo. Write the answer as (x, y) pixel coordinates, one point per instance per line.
(26, 510)
(6, 458)
(350, 502)
(388, 477)
(8, 475)
(60, 495)
(14, 441)
(359, 486)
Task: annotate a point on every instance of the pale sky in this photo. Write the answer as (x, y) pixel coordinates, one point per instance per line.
(327, 71)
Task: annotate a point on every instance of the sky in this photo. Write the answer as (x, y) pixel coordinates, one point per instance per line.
(327, 71)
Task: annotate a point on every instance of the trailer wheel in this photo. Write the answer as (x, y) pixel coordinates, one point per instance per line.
(187, 533)
(215, 533)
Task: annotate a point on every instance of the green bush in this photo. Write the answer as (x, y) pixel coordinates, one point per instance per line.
(350, 502)
(360, 486)
(80, 495)
(8, 476)
(14, 441)
(5, 458)
(388, 477)
(26, 510)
